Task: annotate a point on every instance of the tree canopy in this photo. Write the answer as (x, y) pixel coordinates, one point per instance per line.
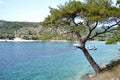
(91, 11)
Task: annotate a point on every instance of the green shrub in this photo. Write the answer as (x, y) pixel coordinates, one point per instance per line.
(110, 41)
(112, 64)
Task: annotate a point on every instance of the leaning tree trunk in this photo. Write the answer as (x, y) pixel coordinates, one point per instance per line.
(87, 55)
(91, 60)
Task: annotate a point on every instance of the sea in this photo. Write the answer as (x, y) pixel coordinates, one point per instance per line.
(51, 60)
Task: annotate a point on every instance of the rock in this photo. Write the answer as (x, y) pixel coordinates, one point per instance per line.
(103, 66)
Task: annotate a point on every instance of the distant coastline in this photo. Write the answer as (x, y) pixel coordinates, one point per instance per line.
(4, 40)
(17, 39)
(23, 40)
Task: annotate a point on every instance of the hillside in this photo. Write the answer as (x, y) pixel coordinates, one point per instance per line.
(8, 28)
(31, 30)
(2, 21)
(34, 31)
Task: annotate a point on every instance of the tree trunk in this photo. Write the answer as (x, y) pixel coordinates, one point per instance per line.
(91, 60)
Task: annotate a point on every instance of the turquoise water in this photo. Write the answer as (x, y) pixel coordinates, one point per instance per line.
(50, 60)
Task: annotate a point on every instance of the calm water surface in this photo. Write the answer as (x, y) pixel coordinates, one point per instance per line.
(50, 60)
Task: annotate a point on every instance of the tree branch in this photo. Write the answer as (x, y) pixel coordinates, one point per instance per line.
(77, 46)
(90, 30)
(78, 34)
(94, 26)
(105, 30)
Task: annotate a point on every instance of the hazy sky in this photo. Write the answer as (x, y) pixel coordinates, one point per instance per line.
(26, 10)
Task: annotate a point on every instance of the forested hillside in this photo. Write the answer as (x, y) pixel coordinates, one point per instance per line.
(34, 31)
(31, 30)
(8, 29)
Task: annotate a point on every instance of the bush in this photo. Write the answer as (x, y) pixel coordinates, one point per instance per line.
(112, 64)
(111, 41)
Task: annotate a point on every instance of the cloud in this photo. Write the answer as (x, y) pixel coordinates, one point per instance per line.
(1, 2)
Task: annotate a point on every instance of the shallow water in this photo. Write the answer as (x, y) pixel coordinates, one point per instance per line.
(50, 60)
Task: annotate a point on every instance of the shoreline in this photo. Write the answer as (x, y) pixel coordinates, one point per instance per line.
(17, 39)
(3, 40)
(23, 40)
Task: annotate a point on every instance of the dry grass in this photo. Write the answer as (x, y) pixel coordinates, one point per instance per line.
(113, 74)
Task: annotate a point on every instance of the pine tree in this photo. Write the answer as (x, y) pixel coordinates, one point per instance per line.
(82, 19)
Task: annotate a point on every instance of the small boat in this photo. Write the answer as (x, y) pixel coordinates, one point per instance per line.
(92, 48)
(88, 48)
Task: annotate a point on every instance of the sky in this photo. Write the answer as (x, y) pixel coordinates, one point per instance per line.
(27, 10)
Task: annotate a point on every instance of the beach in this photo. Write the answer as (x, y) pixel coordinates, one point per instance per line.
(24, 40)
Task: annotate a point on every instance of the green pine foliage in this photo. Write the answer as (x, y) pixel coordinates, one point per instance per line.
(91, 11)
